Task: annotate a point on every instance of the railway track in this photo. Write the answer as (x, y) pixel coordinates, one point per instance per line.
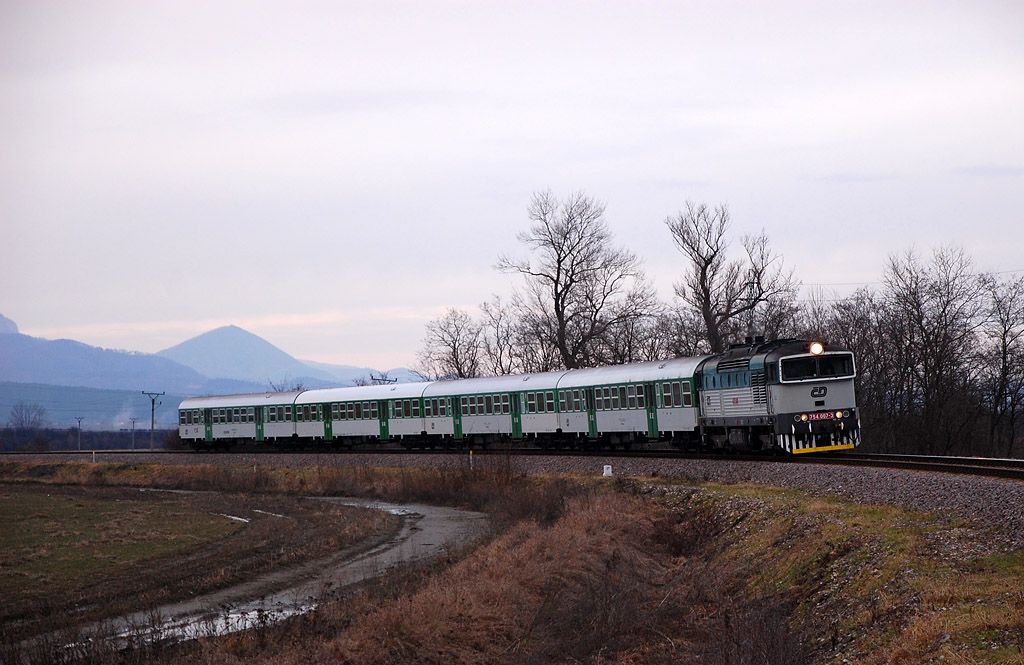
(977, 466)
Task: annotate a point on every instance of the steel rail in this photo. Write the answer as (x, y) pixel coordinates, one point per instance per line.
(979, 466)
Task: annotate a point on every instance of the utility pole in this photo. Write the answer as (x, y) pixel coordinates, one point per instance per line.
(152, 414)
(79, 419)
(133, 432)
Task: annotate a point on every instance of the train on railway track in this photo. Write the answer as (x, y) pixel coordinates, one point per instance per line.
(791, 395)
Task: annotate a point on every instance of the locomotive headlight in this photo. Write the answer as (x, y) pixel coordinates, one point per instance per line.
(816, 348)
(803, 417)
(839, 414)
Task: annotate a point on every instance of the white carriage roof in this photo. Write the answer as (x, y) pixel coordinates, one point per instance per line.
(495, 384)
(360, 393)
(657, 370)
(248, 399)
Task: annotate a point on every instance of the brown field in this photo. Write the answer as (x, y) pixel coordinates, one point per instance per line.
(73, 554)
(635, 571)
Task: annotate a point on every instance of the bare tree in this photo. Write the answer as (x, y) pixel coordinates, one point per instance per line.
(720, 289)
(578, 284)
(936, 313)
(1004, 366)
(499, 332)
(452, 347)
(27, 416)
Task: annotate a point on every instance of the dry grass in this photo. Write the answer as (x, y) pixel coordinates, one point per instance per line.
(494, 485)
(603, 573)
(615, 579)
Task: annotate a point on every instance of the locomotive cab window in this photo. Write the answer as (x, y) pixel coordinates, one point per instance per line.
(830, 366)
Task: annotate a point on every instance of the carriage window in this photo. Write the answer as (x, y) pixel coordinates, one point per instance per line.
(551, 402)
(687, 395)
(182, 418)
(577, 400)
(252, 414)
(540, 402)
(415, 408)
(373, 409)
(666, 394)
(531, 403)
(562, 402)
(428, 408)
(631, 395)
(504, 404)
(677, 397)
(359, 410)
(489, 408)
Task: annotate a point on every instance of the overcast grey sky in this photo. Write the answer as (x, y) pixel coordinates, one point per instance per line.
(331, 175)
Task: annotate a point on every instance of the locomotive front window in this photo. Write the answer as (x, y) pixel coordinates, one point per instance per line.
(795, 369)
(823, 367)
(836, 365)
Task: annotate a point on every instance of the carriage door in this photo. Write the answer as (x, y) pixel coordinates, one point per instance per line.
(456, 408)
(517, 418)
(651, 402)
(259, 422)
(382, 418)
(591, 414)
(208, 424)
(328, 422)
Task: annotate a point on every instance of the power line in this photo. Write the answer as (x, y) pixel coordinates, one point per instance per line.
(152, 414)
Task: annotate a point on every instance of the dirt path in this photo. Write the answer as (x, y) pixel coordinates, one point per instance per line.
(426, 531)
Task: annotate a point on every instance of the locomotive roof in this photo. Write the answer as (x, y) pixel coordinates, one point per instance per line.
(245, 399)
(754, 356)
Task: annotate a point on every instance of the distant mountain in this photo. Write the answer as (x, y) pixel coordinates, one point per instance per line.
(108, 410)
(64, 362)
(7, 327)
(346, 374)
(349, 374)
(231, 352)
(105, 386)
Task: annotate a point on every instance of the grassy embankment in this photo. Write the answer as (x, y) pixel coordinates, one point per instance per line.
(647, 572)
